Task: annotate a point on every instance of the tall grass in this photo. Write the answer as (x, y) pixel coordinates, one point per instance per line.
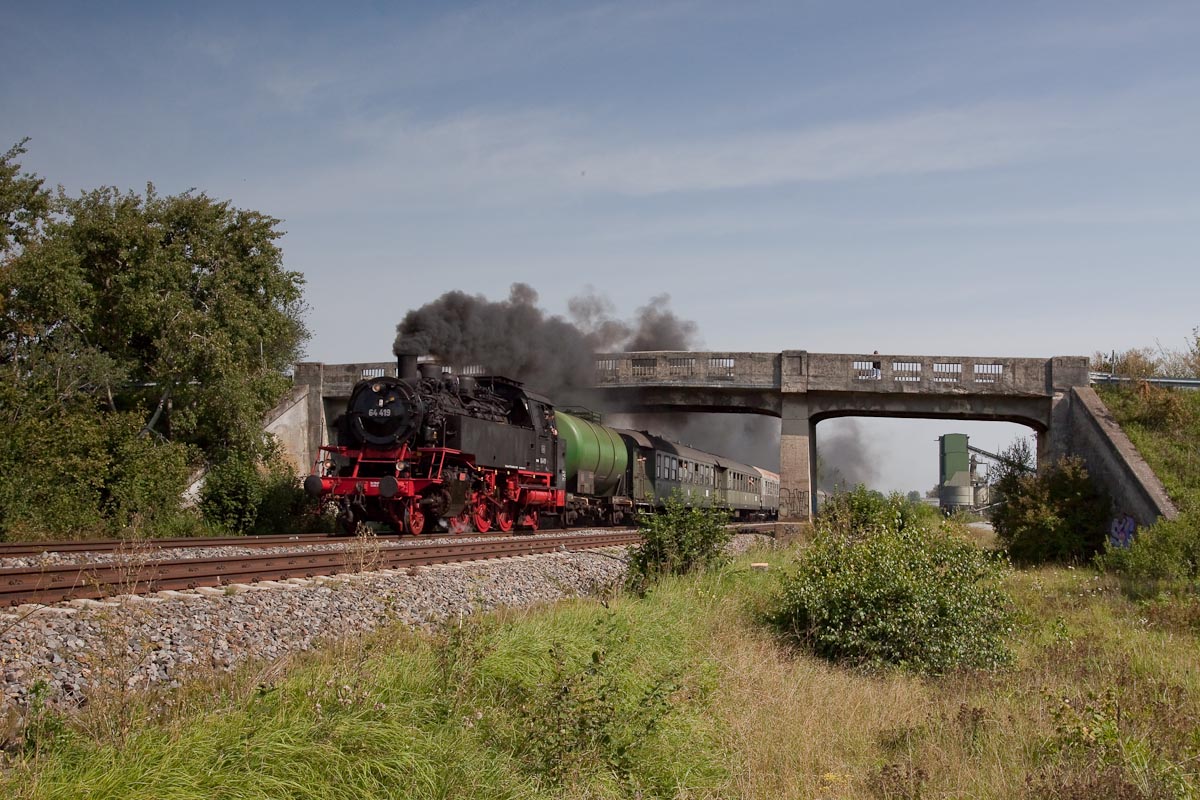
(1164, 425)
(681, 694)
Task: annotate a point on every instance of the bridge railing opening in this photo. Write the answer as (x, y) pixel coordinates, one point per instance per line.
(906, 371)
(721, 368)
(684, 366)
(607, 368)
(868, 370)
(988, 373)
(947, 372)
(644, 367)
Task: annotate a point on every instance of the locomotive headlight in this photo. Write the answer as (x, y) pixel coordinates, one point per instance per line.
(377, 388)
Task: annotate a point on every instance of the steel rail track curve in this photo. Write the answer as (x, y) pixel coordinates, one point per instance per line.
(53, 584)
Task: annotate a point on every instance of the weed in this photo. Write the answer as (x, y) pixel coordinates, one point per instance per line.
(364, 552)
(677, 541)
(43, 724)
(899, 781)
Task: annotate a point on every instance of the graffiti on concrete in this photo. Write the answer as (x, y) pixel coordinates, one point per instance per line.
(1122, 530)
(794, 504)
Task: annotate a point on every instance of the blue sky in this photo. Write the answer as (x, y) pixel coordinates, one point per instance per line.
(961, 178)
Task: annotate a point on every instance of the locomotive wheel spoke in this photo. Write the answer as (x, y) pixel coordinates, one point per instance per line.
(483, 517)
(504, 520)
(414, 520)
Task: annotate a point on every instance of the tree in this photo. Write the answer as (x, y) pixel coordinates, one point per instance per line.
(1058, 514)
(168, 318)
(24, 204)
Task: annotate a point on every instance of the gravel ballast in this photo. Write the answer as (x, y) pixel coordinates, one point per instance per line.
(132, 642)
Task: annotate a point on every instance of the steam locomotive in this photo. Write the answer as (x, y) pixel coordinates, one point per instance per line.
(427, 450)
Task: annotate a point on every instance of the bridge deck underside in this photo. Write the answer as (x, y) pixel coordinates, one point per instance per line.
(1033, 411)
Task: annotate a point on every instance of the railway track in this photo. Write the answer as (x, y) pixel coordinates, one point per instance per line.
(17, 549)
(21, 549)
(52, 584)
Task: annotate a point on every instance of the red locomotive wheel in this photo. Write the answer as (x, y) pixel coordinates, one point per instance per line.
(461, 523)
(483, 518)
(504, 520)
(414, 520)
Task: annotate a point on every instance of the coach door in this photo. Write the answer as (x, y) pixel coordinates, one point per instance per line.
(641, 484)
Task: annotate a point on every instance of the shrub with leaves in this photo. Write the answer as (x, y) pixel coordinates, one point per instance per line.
(913, 597)
(677, 541)
(1056, 515)
(231, 494)
(862, 511)
(1163, 555)
(243, 496)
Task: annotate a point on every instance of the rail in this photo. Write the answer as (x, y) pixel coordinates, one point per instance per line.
(52, 584)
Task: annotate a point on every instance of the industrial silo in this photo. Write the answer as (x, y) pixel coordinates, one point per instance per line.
(954, 483)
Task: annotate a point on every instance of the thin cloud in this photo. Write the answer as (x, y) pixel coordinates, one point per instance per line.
(548, 152)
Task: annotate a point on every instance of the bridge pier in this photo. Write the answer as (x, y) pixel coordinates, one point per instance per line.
(797, 460)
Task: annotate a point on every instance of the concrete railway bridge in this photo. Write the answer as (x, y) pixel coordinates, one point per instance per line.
(1052, 396)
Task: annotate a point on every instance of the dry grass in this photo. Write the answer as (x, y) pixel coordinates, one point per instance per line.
(803, 728)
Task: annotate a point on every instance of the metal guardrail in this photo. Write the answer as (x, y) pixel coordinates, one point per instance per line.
(1179, 383)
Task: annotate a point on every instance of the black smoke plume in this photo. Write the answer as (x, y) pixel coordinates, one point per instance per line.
(750, 438)
(844, 457)
(514, 337)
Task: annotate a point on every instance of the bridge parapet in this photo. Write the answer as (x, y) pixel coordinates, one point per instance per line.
(801, 371)
(915, 374)
(716, 369)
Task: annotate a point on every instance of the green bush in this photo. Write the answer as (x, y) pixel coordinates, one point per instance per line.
(70, 472)
(862, 511)
(242, 496)
(231, 494)
(677, 541)
(1056, 515)
(1164, 554)
(283, 507)
(911, 597)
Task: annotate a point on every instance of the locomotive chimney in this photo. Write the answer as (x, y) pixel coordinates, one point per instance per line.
(406, 366)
